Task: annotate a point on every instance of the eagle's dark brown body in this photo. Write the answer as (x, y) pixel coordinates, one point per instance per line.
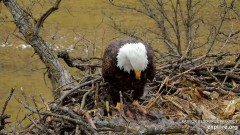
(122, 81)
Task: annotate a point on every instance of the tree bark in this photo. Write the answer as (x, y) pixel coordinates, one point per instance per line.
(60, 78)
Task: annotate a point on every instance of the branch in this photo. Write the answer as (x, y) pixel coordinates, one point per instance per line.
(57, 73)
(78, 62)
(85, 95)
(76, 88)
(213, 36)
(65, 116)
(3, 116)
(6, 102)
(45, 16)
(194, 68)
(127, 7)
(147, 129)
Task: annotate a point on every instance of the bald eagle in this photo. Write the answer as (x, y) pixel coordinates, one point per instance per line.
(127, 64)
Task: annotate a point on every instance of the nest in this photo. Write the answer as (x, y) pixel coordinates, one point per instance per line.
(188, 96)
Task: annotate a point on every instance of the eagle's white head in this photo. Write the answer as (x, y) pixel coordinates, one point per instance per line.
(132, 56)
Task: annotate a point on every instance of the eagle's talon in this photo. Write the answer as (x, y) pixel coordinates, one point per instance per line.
(135, 102)
(118, 107)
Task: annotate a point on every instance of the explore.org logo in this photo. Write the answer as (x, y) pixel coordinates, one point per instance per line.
(224, 127)
(216, 124)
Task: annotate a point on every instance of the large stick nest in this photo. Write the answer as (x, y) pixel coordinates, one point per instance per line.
(188, 96)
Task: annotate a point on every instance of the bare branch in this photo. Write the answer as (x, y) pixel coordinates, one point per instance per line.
(6, 103)
(41, 20)
(57, 72)
(76, 88)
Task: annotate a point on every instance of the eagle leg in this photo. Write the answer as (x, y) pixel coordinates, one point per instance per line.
(116, 96)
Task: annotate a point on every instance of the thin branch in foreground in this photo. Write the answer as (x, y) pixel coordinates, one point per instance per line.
(6, 102)
(85, 95)
(156, 129)
(66, 117)
(3, 116)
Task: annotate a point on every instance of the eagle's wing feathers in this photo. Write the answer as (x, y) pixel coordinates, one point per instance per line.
(151, 68)
(109, 61)
(108, 68)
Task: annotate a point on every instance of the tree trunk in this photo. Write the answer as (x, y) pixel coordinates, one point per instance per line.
(60, 78)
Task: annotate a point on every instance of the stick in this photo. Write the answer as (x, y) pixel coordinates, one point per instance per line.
(176, 76)
(85, 95)
(6, 102)
(76, 88)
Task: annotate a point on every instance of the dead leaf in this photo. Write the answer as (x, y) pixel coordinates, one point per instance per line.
(206, 114)
(199, 92)
(176, 102)
(236, 116)
(231, 108)
(238, 106)
(234, 84)
(196, 93)
(207, 93)
(212, 95)
(186, 96)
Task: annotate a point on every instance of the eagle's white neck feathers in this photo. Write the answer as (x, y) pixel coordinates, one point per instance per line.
(132, 56)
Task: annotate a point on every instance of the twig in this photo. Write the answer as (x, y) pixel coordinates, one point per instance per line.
(189, 62)
(35, 123)
(6, 102)
(121, 102)
(230, 72)
(76, 88)
(71, 113)
(121, 108)
(44, 102)
(149, 105)
(36, 107)
(96, 96)
(45, 16)
(85, 95)
(176, 76)
(89, 119)
(77, 131)
(214, 77)
(3, 116)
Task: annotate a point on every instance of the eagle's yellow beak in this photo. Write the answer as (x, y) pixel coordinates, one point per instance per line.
(138, 74)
